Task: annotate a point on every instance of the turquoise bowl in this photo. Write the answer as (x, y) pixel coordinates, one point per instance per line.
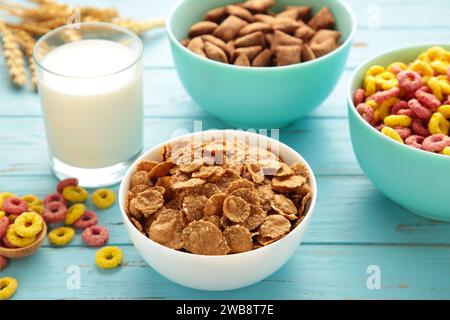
(415, 179)
(247, 97)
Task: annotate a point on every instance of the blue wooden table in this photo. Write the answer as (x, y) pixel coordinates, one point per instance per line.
(355, 235)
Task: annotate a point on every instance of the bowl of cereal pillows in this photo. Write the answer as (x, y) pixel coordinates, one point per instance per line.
(260, 63)
(218, 210)
(399, 111)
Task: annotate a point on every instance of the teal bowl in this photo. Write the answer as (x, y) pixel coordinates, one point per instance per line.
(245, 97)
(417, 180)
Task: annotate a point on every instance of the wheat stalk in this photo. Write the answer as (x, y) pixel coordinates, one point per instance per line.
(13, 56)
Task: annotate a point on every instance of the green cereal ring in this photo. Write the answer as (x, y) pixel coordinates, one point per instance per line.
(75, 194)
(61, 236)
(103, 198)
(74, 213)
(28, 224)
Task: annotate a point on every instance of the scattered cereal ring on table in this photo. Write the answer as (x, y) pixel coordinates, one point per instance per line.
(95, 236)
(28, 224)
(55, 212)
(16, 240)
(88, 219)
(75, 194)
(15, 206)
(4, 224)
(61, 236)
(3, 262)
(8, 286)
(54, 197)
(103, 198)
(69, 182)
(108, 257)
(4, 196)
(74, 213)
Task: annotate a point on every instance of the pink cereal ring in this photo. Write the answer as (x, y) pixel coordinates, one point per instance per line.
(419, 110)
(399, 106)
(358, 96)
(366, 112)
(7, 244)
(54, 197)
(95, 236)
(406, 112)
(414, 141)
(88, 219)
(15, 206)
(409, 80)
(69, 182)
(54, 212)
(428, 99)
(4, 224)
(425, 89)
(436, 142)
(3, 262)
(382, 96)
(404, 132)
(419, 128)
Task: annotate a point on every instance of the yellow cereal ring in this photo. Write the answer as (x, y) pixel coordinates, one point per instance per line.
(74, 213)
(108, 257)
(391, 133)
(17, 240)
(37, 208)
(8, 286)
(2, 214)
(374, 70)
(445, 110)
(386, 80)
(438, 124)
(32, 200)
(370, 85)
(397, 65)
(446, 151)
(61, 236)
(439, 66)
(4, 196)
(422, 67)
(397, 120)
(424, 57)
(75, 194)
(435, 87)
(385, 108)
(389, 84)
(28, 224)
(103, 198)
(12, 218)
(435, 53)
(372, 104)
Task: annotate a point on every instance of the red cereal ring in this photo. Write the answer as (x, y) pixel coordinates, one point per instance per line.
(414, 141)
(436, 142)
(95, 236)
(66, 183)
(382, 96)
(406, 112)
(366, 112)
(425, 89)
(14, 206)
(4, 224)
(404, 132)
(419, 128)
(419, 110)
(3, 262)
(399, 106)
(7, 244)
(54, 197)
(358, 96)
(54, 212)
(88, 219)
(409, 80)
(428, 99)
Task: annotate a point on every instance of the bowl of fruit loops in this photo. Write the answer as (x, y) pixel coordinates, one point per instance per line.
(218, 210)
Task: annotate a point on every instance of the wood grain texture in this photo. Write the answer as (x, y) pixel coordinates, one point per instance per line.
(354, 225)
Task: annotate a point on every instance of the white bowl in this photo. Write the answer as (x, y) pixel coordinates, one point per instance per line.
(218, 272)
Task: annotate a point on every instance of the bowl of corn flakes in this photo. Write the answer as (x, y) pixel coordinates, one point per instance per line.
(219, 209)
(399, 112)
(260, 63)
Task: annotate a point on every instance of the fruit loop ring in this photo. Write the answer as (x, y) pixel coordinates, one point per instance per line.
(4, 196)
(409, 80)
(15, 206)
(108, 257)
(4, 224)
(75, 194)
(3, 262)
(88, 219)
(32, 200)
(103, 198)
(61, 236)
(436, 142)
(28, 224)
(16, 240)
(55, 212)
(54, 197)
(74, 213)
(95, 236)
(37, 208)
(8, 287)
(69, 182)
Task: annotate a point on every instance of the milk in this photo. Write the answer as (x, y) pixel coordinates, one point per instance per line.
(92, 103)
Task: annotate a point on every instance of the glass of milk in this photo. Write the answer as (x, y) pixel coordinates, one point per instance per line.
(90, 83)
